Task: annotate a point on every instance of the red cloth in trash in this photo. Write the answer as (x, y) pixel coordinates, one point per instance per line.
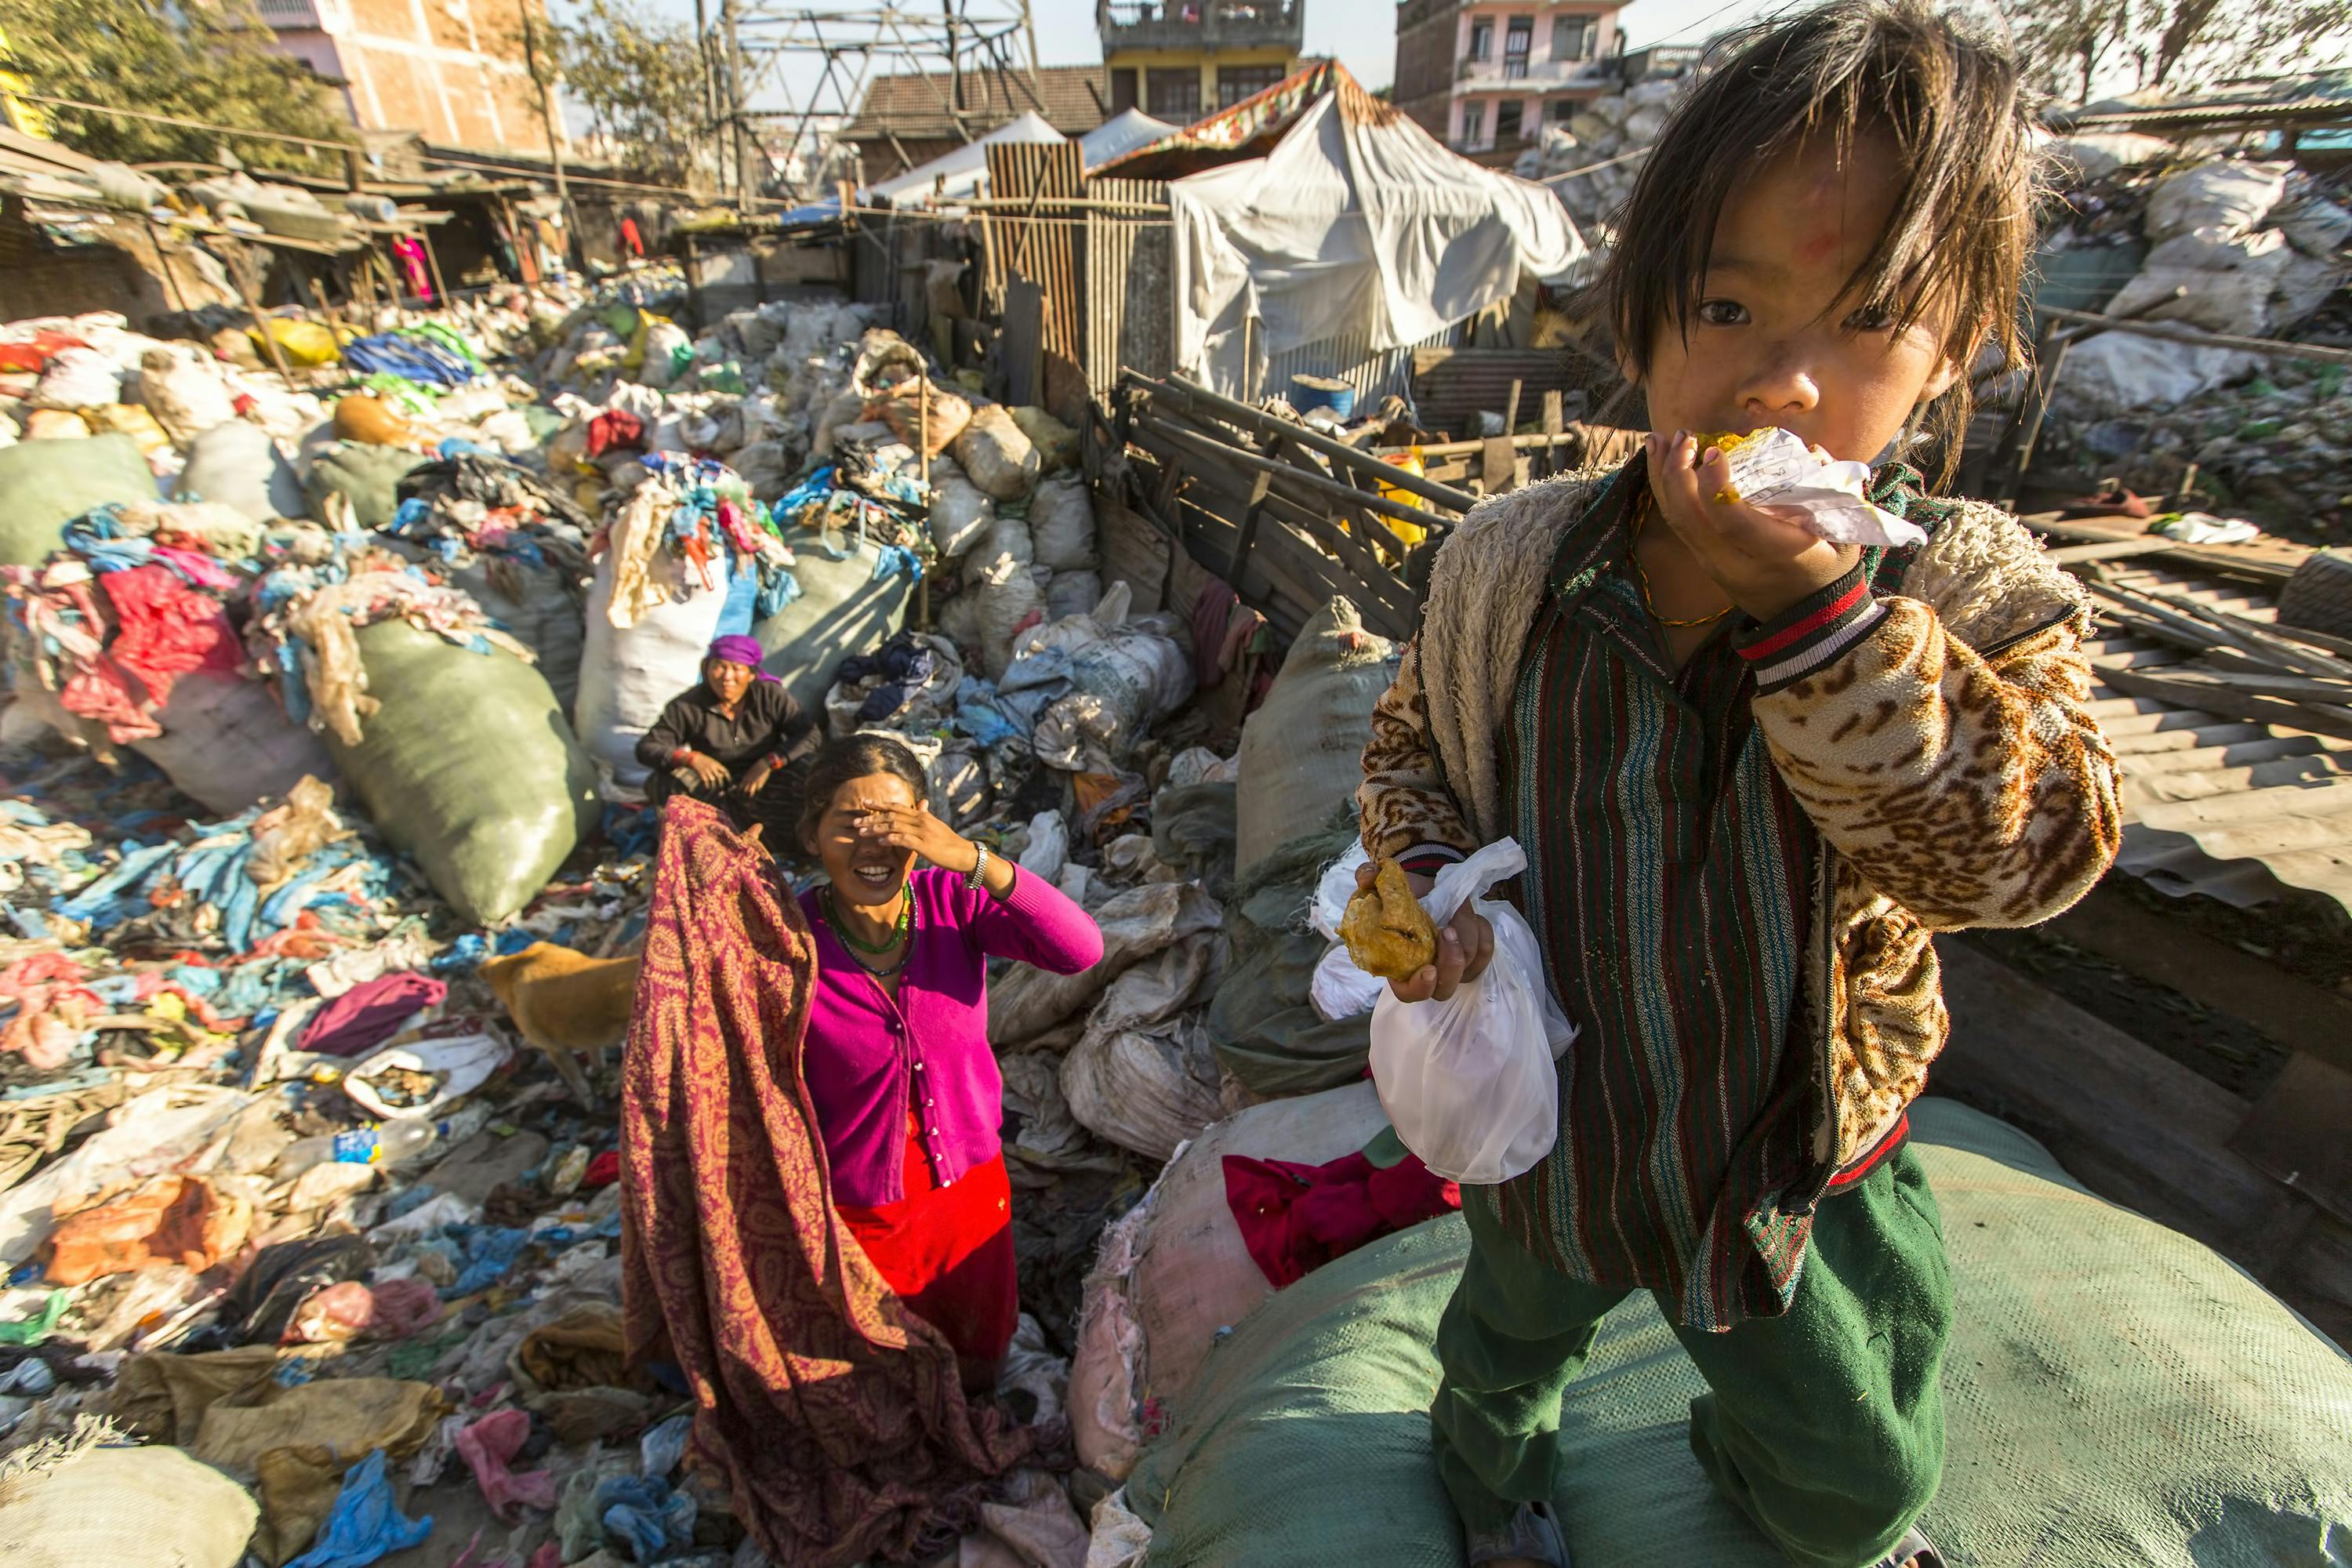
(948, 1251)
(603, 1169)
(631, 241)
(617, 431)
(1295, 1218)
(34, 355)
(488, 1447)
(370, 1013)
(165, 629)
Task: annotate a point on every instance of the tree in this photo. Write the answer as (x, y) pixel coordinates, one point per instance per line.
(640, 78)
(207, 60)
(2076, 48)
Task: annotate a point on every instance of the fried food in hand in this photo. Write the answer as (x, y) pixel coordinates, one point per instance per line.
(1388, 933)
(1726, 443)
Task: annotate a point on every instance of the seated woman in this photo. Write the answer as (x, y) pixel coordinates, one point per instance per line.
(726, 740)
(897, 1063)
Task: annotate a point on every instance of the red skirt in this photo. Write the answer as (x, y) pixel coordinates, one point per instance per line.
(947, 1252)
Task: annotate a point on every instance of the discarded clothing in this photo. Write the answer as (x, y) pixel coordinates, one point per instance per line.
(645, 1512)
(1295, 1218)
(370, 1013)
(615, 431)
(366, 1524)
(171, 1220)
(488, 1447)
(582, 1349)
(834, 1414)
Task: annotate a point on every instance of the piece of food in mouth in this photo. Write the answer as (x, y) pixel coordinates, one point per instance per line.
(1727, 442)
(1388, 933)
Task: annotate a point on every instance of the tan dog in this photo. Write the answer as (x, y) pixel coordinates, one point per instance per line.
(566, 1003)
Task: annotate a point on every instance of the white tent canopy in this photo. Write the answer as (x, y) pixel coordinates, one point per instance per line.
(961, 172)
(1358, 222)
(1119, 135)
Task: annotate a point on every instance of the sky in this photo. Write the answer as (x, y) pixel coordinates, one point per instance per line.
(1360, 32)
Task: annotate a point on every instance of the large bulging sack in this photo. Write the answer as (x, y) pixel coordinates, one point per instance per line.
(367, 476)
(628, 674)
(842, 609)
(962, 513)
(1175, 1272)
(1302, 752)
(542, 615)
(1061, 525)
(227, 743)
(66, 1503)
(238, 464)
(997, 457)
(469, 768)
(1005, 592)
(44, 485)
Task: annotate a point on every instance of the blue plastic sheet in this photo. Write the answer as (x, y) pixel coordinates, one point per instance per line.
(365, 1525)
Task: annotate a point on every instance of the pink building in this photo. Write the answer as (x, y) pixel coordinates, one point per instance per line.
(452, 71)
(1486, 77)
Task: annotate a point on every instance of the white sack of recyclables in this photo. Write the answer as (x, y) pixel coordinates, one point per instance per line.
(1777, 469)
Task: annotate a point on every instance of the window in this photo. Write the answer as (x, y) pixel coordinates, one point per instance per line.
(1506, 120)
(1237, 82)
(1573, 37)
(1559, 109)
(1518, 41)
(1122, 89)
(1481, 40)
(1174, 95)
(1474, 124)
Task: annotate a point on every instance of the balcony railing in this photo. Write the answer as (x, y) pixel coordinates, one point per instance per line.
(1199, 24)
(288, 12)
(1511, 71)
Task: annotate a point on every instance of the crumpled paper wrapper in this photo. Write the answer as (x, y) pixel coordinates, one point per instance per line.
(1774, 469)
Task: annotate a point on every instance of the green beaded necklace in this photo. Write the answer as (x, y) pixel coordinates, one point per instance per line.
(905, 927)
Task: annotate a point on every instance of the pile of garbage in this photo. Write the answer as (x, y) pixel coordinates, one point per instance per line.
(2236, 246)
(1606, 137)
(324, 691)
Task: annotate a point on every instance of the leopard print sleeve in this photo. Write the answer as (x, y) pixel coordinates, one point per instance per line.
(1403, 800)
(1973, 788)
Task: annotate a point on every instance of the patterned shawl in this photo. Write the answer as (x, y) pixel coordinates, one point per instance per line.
(834, 1414)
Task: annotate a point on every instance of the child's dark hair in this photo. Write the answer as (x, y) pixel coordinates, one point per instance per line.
(852, 757)
(1963, 223)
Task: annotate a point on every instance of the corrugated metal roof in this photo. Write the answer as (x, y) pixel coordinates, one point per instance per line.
(2234, 810)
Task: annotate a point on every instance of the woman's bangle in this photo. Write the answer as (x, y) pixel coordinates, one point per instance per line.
(979, 875)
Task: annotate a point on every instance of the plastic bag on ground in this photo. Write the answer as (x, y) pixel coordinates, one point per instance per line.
(457, 1065)
(2225, 195)
(1302, 751)
(1048, 849)
(49, 483)
(1469, 1082)
(469, 766)
(996, 456)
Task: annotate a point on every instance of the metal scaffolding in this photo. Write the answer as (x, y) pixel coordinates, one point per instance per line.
(818, 57)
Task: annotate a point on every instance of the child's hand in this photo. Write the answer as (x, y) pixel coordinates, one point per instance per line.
(1763, 561)
(1465, 949)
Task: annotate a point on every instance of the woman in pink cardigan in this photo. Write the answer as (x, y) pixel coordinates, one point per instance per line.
(907, 1095)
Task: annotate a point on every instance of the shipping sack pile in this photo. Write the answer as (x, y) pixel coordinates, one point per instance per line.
(321, 695)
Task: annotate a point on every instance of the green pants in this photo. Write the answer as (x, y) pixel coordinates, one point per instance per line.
(1825, 1425)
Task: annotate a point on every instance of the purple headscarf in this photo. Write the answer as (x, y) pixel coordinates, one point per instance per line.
(739, 651)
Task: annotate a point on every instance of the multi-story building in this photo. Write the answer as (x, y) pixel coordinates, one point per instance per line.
(1179, 59)
(452, 71)
(1484, 77)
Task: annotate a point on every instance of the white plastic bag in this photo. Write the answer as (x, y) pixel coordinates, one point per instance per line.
(1338, 989)
(1469, 1082)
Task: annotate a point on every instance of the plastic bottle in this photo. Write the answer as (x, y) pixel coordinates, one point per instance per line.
(394, 1143)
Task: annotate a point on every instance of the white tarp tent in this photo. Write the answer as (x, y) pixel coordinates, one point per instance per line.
(961, 174)
(1358, 222)
(1119, 135)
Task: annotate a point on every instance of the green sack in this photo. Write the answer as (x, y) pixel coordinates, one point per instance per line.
(469, 768)
(2116, 1393)
(44, 485)
(1262, 1023)
(841, 612)
(363, 473)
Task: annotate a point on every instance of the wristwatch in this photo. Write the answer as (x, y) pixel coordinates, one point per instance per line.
(978, 876)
